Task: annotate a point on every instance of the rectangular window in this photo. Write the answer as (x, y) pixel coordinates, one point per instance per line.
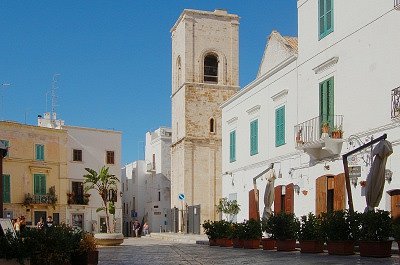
(159, 196)
(232, 146)
(326, 102)
(39, 148)
(6, 144)
(39, 184)
(77, 155)
(254, 137)
(280, 126)
(110, 157)
(6, 189)
(325, 14)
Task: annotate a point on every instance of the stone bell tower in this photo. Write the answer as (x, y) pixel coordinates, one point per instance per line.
(205, 73)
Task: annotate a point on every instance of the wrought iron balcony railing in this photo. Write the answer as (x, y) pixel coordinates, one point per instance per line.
(39, 199)
(78, 199)
(395, 108)
(397, 4)
(319, 127)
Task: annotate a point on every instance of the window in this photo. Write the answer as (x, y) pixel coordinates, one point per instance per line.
(39, 152)
(325, 17)
(77, 155)
(77, 190)
(7, 144)
(280, 126)
(254, 137)
(159, 196)
(232, 146)
(39, 184)
(6, 189)
(212, 125)
(110, 157)
(154, 162)
(326, 102)
(211, 69)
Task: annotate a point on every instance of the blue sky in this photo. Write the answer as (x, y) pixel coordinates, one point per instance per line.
(114, 58)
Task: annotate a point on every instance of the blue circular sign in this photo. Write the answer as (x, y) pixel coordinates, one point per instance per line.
(181, 196)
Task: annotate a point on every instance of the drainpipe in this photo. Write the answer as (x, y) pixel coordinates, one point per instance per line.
(3, 153)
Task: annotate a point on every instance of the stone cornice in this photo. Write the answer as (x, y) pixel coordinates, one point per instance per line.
(325, 65)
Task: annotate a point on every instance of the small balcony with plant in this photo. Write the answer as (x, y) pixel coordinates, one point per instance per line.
(78, 199)
(395, 107)
(49, 198)
(320, 137)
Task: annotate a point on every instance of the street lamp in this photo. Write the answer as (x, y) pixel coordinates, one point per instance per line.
(3, 153)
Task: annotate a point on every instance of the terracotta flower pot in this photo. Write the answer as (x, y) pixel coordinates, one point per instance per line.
(251, 243)
(268, 243)
(212, 242)
(286, 245)
(237, 243)
(311, 246)
(376, 249)
(340, 247)
(226, 242)
(220, 241)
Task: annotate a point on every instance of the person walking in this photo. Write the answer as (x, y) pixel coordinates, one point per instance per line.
(136, 228)
(145, 229)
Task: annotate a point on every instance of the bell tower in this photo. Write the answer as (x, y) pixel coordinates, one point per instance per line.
(205, 73)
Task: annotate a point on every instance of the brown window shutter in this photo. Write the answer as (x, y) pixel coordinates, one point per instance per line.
(277, 199)
(289, 198)
(339, 192)
(321, 187)
(253, 205)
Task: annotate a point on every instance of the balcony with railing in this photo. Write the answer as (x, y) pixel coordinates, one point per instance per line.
(78, 199)
(395, 108)
(48, 199)
(320, 137)
(397, 4)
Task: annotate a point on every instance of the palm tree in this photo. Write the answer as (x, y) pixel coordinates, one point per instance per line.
(105, 184)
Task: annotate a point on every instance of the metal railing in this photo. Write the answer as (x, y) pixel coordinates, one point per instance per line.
(42, 199)
(395, 108)
(397, 4)
(314, 129)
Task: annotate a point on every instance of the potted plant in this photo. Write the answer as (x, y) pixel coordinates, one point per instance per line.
(299, 137)
(87, 253)
(237, 235)
(106, 185)
(268, 243)
(337, 132)
(375, 230)
(341, 230)
(229, 208)
(310, 235)
(325, 127)
(223, 230)
(252, 234)
(285, 227)
(210, 231)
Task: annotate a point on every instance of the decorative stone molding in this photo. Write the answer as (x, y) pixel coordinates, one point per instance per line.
(253, 109)
(232, 120)
(325, 65)
(280, 94)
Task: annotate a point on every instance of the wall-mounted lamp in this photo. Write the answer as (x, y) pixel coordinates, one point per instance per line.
(388, 175)
(296, 189)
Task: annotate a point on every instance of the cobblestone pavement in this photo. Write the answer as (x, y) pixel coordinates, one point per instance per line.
(148, 250)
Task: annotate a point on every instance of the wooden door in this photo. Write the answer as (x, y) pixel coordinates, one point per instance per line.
(289, 198)
(277, 199)
(254, 205)
(321, 188)
(339, 192)
(394, 203)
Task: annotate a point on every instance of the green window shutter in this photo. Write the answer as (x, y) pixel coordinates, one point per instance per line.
(280, 126)
(39, 183)
(254, 137)
(232, 147)
(6, 189)
(39, 152)
(326, 102)
(325, 16)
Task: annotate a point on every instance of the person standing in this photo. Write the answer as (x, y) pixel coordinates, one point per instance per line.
(40, 224)
(136, 228)
(145, 229)
(49, 222)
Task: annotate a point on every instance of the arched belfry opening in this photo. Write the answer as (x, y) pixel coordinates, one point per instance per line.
(178, 72)
(211, 68)
(212, 125)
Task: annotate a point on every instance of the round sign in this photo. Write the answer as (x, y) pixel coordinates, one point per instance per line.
(181, 196)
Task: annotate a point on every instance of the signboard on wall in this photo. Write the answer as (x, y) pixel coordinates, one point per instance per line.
(355, 172)
(6, 226)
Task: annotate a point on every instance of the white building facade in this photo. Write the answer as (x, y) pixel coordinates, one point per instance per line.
(88, 148)
(158, 185)
(342, 70)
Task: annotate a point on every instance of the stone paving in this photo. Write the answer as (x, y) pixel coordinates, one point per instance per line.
(147, 250)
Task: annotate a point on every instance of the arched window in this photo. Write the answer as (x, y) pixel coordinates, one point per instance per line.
(212, 125)
(211, 68)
